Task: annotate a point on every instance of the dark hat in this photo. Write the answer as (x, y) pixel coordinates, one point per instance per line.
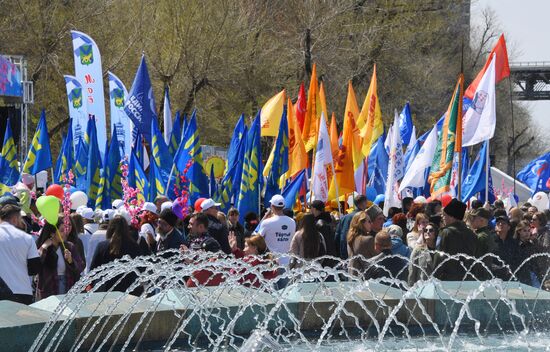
(456, 209)
(503, 218)
(8, 199)
(169, 216)
(318, 204)
(373, 211)
(210, 245)
(482, 213)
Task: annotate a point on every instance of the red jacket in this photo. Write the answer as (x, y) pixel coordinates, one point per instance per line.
(251, 279)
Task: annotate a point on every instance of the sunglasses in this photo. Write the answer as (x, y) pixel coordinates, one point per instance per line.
(430, 229)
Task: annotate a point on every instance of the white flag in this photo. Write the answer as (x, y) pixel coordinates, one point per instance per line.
(323, 158)
(415, 176)
(479, 121)
(167, 118)
(395, 168)
(412, 141)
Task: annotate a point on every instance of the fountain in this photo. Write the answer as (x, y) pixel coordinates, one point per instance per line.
(321, 308)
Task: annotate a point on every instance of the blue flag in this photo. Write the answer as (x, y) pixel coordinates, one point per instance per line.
(66, 156)
(249, 194)
(378, 166)
(156, 185)
(213, 185)
(185, 124)
(93, 167)
(39, 156)
(406, 124)
(9, 170)
(230, 183)
(475, 180)
(137, 147)
(80, 165)
(137, 178)
(160, 154)
(113, 167)
(175, 137)
(280, 160)
(536, 173)
(190, 149)
(140, 104)
(291, 191)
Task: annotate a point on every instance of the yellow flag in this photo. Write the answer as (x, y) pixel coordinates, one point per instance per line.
(352, 111)
(309, 134)
(343, 164)
(296, 148)
(370, 120)
(271, 115)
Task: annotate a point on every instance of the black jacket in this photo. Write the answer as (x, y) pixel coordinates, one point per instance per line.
(219, 232)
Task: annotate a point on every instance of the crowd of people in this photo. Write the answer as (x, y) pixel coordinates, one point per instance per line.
(421, 240)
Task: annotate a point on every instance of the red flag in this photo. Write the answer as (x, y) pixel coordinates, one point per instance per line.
(301, 106)
(502, 68)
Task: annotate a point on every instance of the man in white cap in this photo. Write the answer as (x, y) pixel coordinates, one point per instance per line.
(216, 229)
(277, 228)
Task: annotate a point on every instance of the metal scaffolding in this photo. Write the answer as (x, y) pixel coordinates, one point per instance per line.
(531, 80)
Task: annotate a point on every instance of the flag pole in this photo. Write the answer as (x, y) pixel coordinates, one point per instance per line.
(335, 187)
(169, 179)
(459, 176)
(487, 172)
(313, 156)
(513, 132)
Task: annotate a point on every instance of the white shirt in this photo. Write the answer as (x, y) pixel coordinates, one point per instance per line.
(60, 262)
(278, 232)
(16, 247)
(97, 237)
(85, 238)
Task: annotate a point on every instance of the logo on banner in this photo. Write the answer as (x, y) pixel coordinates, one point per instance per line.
(118, 96)
(86, 54)
(76, 98)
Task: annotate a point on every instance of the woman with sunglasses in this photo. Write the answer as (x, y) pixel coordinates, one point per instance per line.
(529, 271)
(422, 257)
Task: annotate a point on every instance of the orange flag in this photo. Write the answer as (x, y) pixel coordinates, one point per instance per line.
(343, 164)
(296, 149)
(309, 133)
(352, 110)
(301, 106)
(370, 120)
(333, 131)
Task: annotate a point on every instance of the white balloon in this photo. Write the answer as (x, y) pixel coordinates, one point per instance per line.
(78, 199)
(420, 200)
(540, 200)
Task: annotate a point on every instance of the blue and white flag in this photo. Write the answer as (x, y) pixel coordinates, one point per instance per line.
(140, 104)
(395, 168)
(536, 173)
(406, 124)
(415, 174)
(77, 108)
(119, 119)
(87, 67)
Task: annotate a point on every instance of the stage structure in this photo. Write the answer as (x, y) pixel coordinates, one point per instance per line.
(16, 96)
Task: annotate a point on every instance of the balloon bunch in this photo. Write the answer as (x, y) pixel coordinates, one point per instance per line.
(180, 206)
(132, 203)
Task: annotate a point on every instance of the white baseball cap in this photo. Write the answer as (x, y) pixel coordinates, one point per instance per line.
(87, 213)
(149, 207)
(80, 209)
(277, 201)
(166, 205)
(118, 203)
(124, 213)
(108, 215)
(209, 203)
(145, 229)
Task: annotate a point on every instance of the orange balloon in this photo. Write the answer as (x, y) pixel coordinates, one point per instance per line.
(56, 191)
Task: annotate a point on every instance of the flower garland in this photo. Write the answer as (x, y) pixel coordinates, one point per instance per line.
(66, 202)
(132, 203)
(183, 197)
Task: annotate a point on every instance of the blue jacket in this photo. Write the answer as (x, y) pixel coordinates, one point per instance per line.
(342, 232)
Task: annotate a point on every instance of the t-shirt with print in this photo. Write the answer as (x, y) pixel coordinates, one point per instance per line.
(16, 247)
(278, 232)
